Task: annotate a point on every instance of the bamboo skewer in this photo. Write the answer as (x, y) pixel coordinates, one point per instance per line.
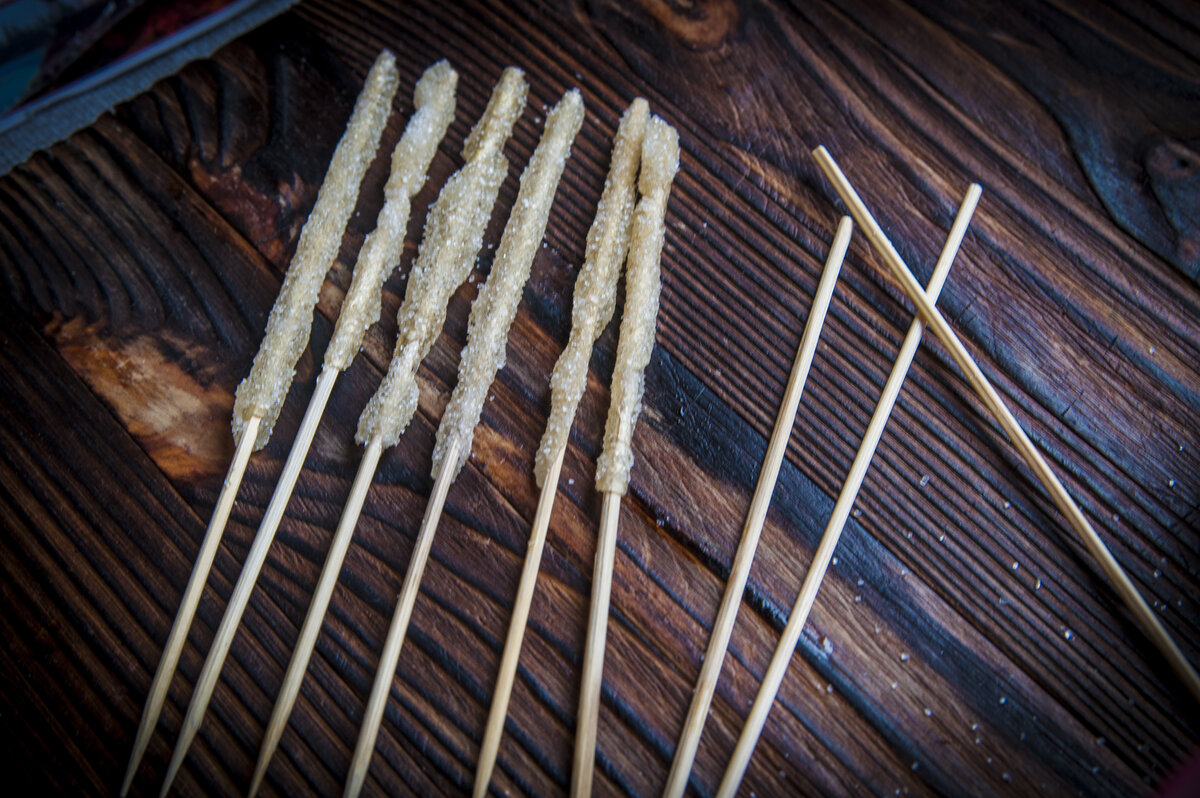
(191, 600)
(492, 315)
(660, 162)
(316, 612)
(1124, 587)
(240, 597)
(593, 662)
(516, 630)
(593, 306)
(453, 235)
(710, 671)
(390, 655)
(261, 395)
(841, 512)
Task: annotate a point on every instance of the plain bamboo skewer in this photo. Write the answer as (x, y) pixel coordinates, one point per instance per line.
(593, 663)
(260, 396)
(660, 162)
(1125, 589)
(191, 600)
(710, 671)
(594, 303)
(492, 315)
(453, 235)
(841, 511)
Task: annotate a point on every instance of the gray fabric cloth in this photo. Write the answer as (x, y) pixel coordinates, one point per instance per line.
(51, 119)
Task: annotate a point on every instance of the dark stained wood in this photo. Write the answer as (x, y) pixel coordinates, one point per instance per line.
(962, 643)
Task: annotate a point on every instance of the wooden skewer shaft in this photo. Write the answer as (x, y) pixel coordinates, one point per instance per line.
(841, 512)
(710, 671)
(390, 656)
(191, 600)
(249, 575)
(516, 630)
(316, 611)
(593, 662)
(1143, 615)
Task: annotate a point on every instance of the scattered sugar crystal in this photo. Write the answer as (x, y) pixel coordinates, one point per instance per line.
(596, 286)
(924, 480)
(494, 309)
(660, 162)
(263, 391)
(904, 656)
(827, 645)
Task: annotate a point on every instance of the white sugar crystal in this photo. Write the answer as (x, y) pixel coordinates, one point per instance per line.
(453, 235)
(496, 306)
(596, 285)
(380, 254)
(660, 162)
(290, 324)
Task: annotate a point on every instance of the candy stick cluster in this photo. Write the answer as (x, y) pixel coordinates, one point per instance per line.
(260, 396)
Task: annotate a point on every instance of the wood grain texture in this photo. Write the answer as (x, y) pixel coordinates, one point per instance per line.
(962, 644)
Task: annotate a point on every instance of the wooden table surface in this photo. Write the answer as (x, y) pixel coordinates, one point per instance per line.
(963, 642)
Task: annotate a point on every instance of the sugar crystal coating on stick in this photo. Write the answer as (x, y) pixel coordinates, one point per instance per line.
(380, 253)
(288, 328)
(660, 161)
(453, 234)
(496, 306)
(596, 286)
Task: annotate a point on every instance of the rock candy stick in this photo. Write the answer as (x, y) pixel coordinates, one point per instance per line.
(595, 298)
(660, 161)
(453, 235)
(434, 104)
(264, 389)
(491, 316)
(596, 285)
(496, 306)
(433, 99)
(261, 394)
